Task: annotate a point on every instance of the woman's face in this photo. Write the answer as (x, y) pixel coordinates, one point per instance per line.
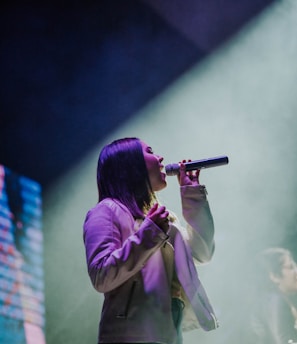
(154, 167)
(288, 280)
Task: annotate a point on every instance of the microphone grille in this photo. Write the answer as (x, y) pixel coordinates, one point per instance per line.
(172, 169)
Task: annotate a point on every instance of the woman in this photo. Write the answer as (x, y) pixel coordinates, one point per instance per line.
(136, 252)
(274, 317)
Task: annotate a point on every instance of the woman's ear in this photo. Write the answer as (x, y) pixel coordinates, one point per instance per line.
(274, 278)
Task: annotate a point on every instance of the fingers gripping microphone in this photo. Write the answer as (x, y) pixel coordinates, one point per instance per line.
(173, 169)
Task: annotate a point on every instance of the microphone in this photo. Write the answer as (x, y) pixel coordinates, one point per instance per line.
(173, 169)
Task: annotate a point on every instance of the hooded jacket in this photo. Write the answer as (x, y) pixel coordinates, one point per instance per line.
(125, 262)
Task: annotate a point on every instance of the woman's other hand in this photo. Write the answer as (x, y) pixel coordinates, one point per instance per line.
(159, 215)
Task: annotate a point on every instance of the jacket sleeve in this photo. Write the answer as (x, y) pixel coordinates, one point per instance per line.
(112, 259)
(200, 225)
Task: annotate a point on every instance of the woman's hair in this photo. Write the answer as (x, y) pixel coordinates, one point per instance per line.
(122, 175)
(273, 259)
(270, 261)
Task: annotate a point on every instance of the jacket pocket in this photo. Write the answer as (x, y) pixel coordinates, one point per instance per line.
(124, 312)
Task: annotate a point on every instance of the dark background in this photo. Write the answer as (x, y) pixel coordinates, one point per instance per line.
(72, 71)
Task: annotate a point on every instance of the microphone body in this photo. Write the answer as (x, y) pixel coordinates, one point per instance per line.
(173, 169)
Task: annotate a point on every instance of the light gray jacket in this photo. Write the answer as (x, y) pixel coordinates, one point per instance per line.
(125, 262)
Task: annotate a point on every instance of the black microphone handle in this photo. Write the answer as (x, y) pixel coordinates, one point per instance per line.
(173, 169)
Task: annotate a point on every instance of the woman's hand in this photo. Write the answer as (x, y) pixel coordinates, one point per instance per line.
(187, 178)
(159, 215)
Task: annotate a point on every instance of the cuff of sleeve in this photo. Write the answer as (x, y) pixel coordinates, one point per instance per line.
(193, 191)
(160, 232)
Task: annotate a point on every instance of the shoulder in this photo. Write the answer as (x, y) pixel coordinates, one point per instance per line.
(108, 208)
(275, 303)
(108, 219)
(108, 216)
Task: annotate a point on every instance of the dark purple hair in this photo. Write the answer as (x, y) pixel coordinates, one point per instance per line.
(122, 175)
